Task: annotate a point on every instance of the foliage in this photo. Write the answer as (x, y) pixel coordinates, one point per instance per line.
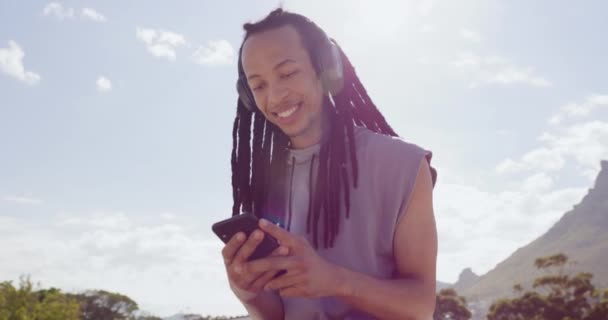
(100, 304)
(555, 295)
(24, 303)
(451, 306)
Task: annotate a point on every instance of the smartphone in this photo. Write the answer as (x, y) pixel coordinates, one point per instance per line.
(246, 223)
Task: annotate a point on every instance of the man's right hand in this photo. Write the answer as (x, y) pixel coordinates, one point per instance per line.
(246, 286)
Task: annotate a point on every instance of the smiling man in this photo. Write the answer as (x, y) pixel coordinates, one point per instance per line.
(349, 201)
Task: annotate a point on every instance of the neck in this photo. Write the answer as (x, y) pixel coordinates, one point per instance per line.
(315, 134)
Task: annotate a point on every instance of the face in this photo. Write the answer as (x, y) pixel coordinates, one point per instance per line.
(284, 83)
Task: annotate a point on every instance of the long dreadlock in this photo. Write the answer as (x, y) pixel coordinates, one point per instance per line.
(259, 160)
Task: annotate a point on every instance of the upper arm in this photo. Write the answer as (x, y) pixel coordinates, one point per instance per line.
(415, 240)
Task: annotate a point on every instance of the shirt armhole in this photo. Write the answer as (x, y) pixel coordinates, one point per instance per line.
(409, 180)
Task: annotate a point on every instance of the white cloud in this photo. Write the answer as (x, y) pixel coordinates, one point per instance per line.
(215, 53)
(8, 224)
(556, 119)
(11, 63)
(532, 200)
(427, 28)
(496, 70)
(168, 216)
(57, 10)
(467, 59)
(171, 38)
(505, 220)
(425, 7)
(584, 143)
(538, 182)
(98, 219)
(513, 74)
(161, 43)
(103, 84)
(542, 158)
(93, 15)
(21, 199)
(509, 166)
(146, 35)
(579, 110)
(470, 35)
(158, 256)
(549, 159)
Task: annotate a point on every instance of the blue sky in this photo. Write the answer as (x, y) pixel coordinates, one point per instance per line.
(115, 129)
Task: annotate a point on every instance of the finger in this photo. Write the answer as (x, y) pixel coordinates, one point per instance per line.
(244, 278)
(284, 282)
(232, 246)
(249, 246)
(278, 233)
(271, 263)
(280, 251)
(260, 282)
(255, 281)
(241, 269)
(294, 291)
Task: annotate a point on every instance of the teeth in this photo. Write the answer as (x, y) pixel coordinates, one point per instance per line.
(287, 113)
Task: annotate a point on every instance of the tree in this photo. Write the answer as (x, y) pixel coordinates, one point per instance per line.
(148, 317)
(554, 295)
(100, 304)
(451, 306)
(24, 303)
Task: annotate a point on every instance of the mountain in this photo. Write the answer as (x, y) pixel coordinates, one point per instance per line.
(442, 285)
(581, 234)
(466, 279)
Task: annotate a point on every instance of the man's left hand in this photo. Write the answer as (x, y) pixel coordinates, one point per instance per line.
(308, 274)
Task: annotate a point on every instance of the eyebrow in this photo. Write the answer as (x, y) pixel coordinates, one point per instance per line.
(278, 65)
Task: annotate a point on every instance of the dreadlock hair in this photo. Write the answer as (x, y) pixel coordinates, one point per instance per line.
(259, 160)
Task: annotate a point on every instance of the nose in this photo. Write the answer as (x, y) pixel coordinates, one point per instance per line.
(278, 93)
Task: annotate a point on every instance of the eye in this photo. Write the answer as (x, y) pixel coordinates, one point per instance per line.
(258, 87)
(289, 74)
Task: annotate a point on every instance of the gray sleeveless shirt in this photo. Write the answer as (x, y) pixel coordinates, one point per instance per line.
(387, 170)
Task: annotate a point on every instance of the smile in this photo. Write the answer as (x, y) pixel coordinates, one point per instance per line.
(287, 113)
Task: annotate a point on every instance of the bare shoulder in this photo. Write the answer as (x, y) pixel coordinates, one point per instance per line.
(384, 147)
(415, 243)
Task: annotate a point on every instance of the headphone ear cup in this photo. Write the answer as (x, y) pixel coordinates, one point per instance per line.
(332, 72)
(245, 95)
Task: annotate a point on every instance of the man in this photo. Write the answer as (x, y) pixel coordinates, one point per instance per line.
(349, 201)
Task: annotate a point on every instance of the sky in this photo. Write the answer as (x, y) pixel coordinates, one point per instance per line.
(116, 118)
